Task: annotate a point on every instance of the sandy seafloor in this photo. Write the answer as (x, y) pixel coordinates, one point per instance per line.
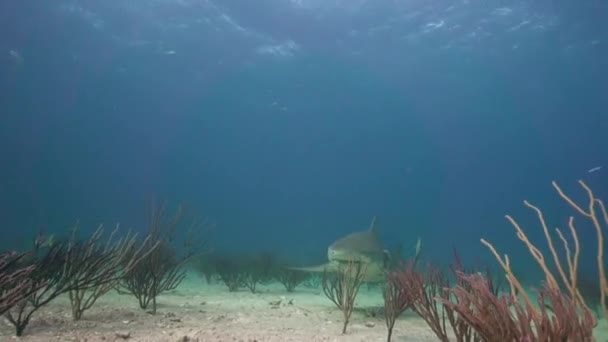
(197, 311)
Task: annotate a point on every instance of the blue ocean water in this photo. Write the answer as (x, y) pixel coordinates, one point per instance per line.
(290, 123)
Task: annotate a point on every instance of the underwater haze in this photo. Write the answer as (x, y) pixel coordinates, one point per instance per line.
(290, 123)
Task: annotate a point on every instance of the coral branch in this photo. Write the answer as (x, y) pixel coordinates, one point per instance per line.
(504, 318)
(343, 286)
(595, 218)
(567, 281)
(14, 280)
(397, 297)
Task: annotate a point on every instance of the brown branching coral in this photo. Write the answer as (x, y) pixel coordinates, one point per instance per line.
(83, 269)
(112, 261)
(14, 280)
(162, 269)
(343, 286)
(55, 272)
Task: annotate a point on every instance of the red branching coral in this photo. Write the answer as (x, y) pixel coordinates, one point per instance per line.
(401, 291)
(498, 318)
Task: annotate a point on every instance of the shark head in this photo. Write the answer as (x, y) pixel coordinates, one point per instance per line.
(364, 246)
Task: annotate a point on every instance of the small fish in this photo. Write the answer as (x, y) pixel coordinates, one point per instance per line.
(594, 169)
(42, 240)
(16, 56)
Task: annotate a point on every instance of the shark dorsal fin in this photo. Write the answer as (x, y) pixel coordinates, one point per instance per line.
(372, 225)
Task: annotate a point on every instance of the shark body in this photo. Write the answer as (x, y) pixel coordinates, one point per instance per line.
(363, 247)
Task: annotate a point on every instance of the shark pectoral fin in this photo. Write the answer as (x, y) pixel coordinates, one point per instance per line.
(329, 267)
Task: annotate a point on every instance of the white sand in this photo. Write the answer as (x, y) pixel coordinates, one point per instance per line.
(209, 313)
(200, 312)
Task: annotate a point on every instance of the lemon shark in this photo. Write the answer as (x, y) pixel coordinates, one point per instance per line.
(363, 247)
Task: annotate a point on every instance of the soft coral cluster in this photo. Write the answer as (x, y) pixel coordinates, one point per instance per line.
(475, 309)
(14, 280)
(504, 318)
